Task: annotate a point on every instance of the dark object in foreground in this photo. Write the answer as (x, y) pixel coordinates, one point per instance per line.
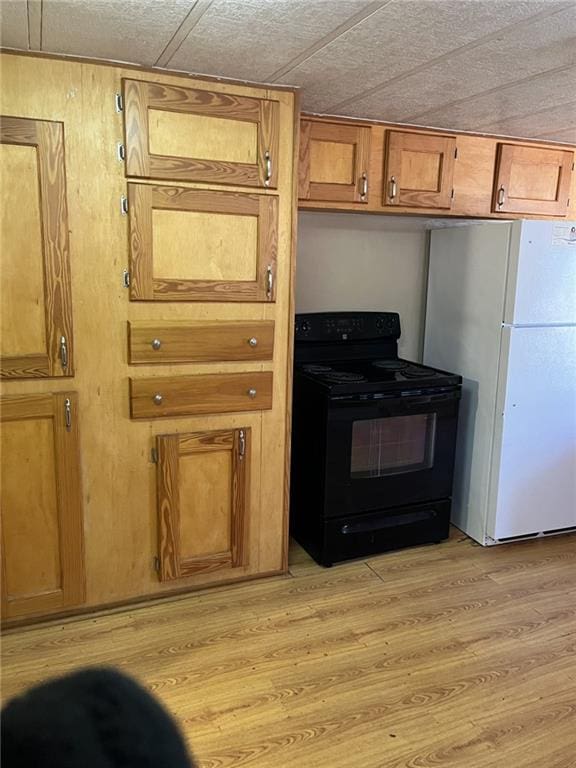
(95, 718)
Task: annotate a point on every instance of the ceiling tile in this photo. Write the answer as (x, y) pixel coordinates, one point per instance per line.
(14, 24)
(131, 30)
(402, 36)
(547, 119)
(252, 39)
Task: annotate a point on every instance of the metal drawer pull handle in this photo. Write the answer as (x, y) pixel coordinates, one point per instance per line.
(501, 196)
(393, 188)
(364, 188)
(268, 163)
(157, 399)
(251, 393)
(253, 341)
(156, 344)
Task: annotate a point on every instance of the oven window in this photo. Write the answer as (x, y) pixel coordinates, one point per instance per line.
(392, 445)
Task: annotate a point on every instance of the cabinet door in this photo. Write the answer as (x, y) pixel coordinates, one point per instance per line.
(532, 180)
(201, 244)
(36, 314)
(334, 162)
(42, 526)
(419, 170)
(203, 501)
(187, 134)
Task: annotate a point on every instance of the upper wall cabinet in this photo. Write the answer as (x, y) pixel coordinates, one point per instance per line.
(334, 162)
(419, 170)
(188, 134)
(201, 244)
(532, 180)
(35, 287)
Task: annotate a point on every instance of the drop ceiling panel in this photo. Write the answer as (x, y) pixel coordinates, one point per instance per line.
(395, 40)
(14, 24)
(252, 39)
(130, 30)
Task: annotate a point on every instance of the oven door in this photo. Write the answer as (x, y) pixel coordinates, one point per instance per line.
(389, 452)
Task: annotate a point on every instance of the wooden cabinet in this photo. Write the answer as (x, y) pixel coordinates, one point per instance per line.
(532, 180)
(201, 244)
(193, 395)
(192, 134)
(36, 313)
(42, 524)
(334, 162)
(189, 342)
(419, 170)
(203, 481)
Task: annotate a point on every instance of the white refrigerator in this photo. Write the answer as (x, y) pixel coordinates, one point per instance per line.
(501, 311)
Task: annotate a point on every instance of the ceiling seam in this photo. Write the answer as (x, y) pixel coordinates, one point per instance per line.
(496, 89)
(34, 14)
(28, 22)
(445, 56)
(184, 28)
(556, 131)
(340, 30)
(519, 116)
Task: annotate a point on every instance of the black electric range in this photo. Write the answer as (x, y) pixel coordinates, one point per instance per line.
(373, 439)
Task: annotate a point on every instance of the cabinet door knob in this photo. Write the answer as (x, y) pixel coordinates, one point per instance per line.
(251, 393)
(157, 399)
(156, 344)
(253, 341)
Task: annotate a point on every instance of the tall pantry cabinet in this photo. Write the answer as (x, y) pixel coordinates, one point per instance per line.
(146, 324)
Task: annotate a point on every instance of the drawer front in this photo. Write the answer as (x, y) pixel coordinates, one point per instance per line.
(192, 395)
(199, 343)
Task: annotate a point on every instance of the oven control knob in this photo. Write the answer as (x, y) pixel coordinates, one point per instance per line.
(305, 326)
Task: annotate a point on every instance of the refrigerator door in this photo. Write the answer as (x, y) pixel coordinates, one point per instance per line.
(533, 477)
(541, 286)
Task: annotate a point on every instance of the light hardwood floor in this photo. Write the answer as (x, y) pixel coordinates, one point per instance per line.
(449, 655)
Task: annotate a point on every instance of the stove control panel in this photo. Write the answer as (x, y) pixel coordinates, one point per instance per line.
(346, 326)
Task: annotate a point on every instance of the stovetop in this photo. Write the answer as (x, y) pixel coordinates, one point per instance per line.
(381, 375)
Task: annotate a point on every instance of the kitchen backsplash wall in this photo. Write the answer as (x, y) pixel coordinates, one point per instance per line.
(348, 262)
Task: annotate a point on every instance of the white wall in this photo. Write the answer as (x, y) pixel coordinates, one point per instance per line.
(357, 261)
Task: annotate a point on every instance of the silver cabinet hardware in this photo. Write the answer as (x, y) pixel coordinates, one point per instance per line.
(156, 343)
(119, 103)
(253, 341)
(268, 165)
(241, 444)
(123, 205)
(120, 151)
(156, 564)
(157, 399)
(251, 393)
(63, 352)
(501, 196)
(269, 281)
(393, 188)
(126, 279)
(154, 456)
(68, 414)
(364, 186)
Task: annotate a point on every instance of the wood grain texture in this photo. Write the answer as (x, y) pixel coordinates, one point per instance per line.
(447, 656)
(148, 285)
(177, 511)
(420, 168)
(231, 109)
(200, 342)
(192, 395)
(533, 180)
(48, 138)
(44, 524)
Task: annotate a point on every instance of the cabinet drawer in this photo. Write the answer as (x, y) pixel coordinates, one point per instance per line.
(178, 342)
(192, 395)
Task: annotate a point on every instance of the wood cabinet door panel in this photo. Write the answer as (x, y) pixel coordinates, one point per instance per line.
(201, 245)
(203, 501)
(189, 342)
(193, 395)
(532, 180)
(189, 134)
(419, 170)
(35, 288)
(334, 162)
(42, 525)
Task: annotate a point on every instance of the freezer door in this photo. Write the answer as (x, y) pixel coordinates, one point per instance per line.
(542, 274)
(533, 478)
